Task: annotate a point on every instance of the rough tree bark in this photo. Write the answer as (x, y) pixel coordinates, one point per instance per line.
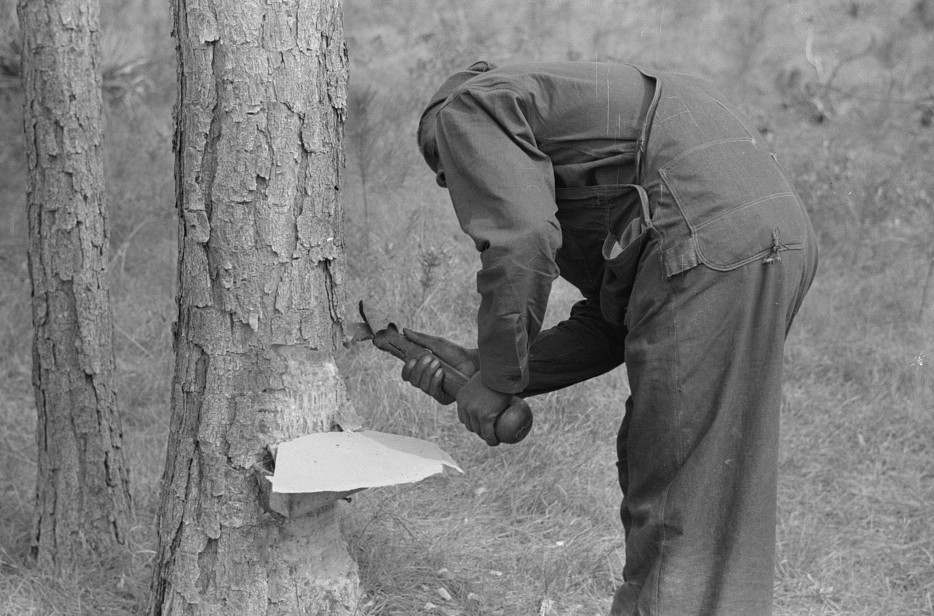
(262, 88)
(82, 485)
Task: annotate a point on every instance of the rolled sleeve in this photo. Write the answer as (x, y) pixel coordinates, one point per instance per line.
(502, 187)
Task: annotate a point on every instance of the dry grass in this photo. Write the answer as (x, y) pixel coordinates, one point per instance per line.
(529, 529)
(858, 476)
(524, 524)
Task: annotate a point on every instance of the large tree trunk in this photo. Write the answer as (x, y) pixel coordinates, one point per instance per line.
(82, 487)
(258, 152)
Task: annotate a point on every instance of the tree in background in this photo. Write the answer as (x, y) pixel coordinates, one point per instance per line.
(82, 485)
(377, 133)
(258, 149)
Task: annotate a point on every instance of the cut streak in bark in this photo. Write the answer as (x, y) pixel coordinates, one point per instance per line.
(258, 154)
(82, 485)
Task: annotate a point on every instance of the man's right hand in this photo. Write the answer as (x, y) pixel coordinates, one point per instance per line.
(426, 373)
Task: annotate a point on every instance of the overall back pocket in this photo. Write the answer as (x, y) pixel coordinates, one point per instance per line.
(736, 201)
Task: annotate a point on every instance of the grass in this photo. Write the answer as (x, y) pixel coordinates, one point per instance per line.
(529, 529)
(525, 524)
(857, 472)
(857, 480)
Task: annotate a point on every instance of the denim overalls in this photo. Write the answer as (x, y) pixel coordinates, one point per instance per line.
(692, 261)
(728, 256)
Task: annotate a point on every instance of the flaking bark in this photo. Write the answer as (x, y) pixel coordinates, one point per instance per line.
(82, 484)
(258, 152)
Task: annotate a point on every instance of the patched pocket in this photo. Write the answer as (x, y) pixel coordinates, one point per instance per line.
(736, 201)
(622, 256)
(759, 230)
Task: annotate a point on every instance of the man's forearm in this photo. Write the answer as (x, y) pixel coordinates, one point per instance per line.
(577, 349)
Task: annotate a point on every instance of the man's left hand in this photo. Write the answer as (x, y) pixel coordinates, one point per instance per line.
(478, 406)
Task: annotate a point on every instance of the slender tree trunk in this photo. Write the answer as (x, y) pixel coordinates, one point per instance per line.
(364, 189)
(926, 309)
(258, 152)
(82, 487)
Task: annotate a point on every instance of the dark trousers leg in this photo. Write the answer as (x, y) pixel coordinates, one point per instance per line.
(698, 448)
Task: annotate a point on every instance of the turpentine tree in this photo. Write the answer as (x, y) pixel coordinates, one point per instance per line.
(259, 118)
(82, 495)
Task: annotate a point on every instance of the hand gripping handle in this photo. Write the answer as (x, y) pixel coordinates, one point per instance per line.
(512, 425)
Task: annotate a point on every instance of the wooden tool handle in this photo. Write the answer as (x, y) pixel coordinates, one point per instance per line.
(511, 426)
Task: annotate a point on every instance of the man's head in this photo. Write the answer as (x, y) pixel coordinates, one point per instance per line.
(427, 137)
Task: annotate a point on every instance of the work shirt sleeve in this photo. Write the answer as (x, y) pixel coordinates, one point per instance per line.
(581, 347)
(502, 187)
